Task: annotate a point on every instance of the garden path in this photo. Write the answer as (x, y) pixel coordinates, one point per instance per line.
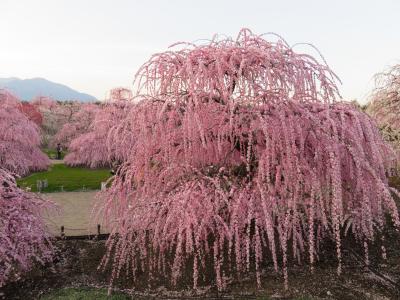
(75, 213)
(56, 161)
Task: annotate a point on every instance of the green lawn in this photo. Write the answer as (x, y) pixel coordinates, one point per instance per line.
(84, 294)
(63, 178)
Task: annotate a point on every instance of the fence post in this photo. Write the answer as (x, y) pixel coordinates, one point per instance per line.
(62, 232)
(98, 229)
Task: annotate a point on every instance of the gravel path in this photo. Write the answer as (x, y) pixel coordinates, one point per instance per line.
(75, 215)
(56, 161)
(76, 209)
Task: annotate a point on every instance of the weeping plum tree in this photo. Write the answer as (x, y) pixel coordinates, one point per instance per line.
(55, 115)
(24, 239)
(95, 147)
(120, 104)
(78, 124)
(32, 113)
(384, 105)
(19, 139)
(242, 155)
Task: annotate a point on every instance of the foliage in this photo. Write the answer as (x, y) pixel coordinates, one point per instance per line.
(242, 154)
(19, 139)
(24, 239)
(384, 105)
(71, 179)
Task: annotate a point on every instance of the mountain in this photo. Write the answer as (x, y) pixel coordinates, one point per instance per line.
(27, 89)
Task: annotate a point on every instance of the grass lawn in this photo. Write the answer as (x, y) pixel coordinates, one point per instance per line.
(70, 179)
(83, 293)
(52, 153)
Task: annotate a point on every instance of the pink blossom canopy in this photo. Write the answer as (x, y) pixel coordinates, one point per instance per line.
(241, 153)
(19, 139)
(24, 239)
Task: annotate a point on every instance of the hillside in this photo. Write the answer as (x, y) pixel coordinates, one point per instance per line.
(27, 89)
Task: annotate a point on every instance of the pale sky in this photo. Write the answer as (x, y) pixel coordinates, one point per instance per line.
(95, 45)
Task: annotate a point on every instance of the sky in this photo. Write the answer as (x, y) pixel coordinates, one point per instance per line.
(95, 45)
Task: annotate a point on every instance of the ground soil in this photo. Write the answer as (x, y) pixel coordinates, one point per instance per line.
(76, 264)
(74, 214)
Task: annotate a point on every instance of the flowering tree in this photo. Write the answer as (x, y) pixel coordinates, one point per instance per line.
(384, 105)
(24, 239)
(32, 113)
(241, 153)
(120, 94)
(94, 147)
(76, 125)
(55, 115)
(19, 139)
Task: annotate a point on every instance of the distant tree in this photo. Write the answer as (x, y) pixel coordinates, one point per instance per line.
(358, 105)
(19, 139)
(120, 94)
(32, 113)
(77, 124)
(47, 108)
(242, 153)
(93, 147)
(24, 238)
(44, 103)
(384, 105)
(55, 115)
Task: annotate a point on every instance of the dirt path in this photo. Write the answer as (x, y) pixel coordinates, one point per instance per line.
(75, 215)
(56, 161)
(76, 209)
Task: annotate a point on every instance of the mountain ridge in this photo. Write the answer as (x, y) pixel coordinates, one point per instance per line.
(28, 89)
